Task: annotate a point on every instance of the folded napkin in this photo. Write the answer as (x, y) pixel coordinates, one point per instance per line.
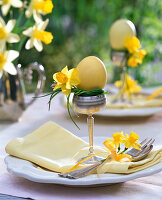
(56, 149)
(51, 147)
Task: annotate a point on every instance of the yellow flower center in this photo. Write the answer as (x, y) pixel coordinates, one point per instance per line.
(46, 5)
(2, 60)
(62, 78)
(44, 36)
(2, 33)
(6, 1)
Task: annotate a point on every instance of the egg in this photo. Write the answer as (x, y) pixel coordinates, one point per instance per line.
(92, 74)
(119, 31)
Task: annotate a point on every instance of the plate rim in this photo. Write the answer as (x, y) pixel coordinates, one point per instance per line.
(129, 112)
(25, 172)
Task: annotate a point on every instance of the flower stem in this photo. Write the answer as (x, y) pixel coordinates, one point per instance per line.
(118, 148)
(124, 150)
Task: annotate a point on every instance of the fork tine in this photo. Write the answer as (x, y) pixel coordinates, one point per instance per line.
(146, 147)
(147, 143)
(143, 155)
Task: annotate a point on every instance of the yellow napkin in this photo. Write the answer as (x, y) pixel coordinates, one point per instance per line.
(139, 101)
(56, 149)
(51, 147)
(153, 158)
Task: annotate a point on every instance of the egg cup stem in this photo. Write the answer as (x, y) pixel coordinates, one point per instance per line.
(90, 123)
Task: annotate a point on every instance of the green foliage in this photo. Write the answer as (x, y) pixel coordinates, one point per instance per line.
(81, 29)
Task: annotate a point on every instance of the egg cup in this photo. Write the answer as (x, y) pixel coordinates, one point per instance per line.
(119, 58)
(89, 105)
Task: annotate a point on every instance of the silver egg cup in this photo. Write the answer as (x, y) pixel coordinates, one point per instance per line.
(89, 105)
(119, 58)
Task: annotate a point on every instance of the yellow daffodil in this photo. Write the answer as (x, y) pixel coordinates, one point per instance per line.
(5, 33)
(38, 7)
(6, 4)
(131, 141)
(114, 155)
(140, 54)
(133, 61)
(117, 139)
(136, 58)
(6, 64)
(130, 87)
(132, 44)
(38, 35)
(66, 79)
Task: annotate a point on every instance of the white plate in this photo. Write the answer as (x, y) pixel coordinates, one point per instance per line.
(134, 112)
(28, 170)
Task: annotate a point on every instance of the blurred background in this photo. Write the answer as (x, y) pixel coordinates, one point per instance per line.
(81, 27)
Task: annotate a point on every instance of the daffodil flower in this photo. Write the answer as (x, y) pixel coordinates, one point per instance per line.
(38, 35)
(136, 58)
(5, 33)
(117, 139)
(114, 156)
(6, 4)
(130, 87)
(66, 79)
(6, 64)
(38, 7)
(132, 44)
(131, 141)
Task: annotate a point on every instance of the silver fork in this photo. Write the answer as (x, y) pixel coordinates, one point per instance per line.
(147, 146)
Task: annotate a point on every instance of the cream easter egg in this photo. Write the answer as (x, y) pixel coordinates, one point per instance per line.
(119, 31)
(92, 74)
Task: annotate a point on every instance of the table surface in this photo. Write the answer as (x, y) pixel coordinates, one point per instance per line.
(38, 113)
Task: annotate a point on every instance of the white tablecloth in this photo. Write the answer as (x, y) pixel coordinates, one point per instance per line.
(149, 188)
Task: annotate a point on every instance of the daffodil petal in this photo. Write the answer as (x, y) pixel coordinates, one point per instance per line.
(2, 22)
(37, 17)
(17, 3)
(135, 146)
(2, 45)
(57, 86)
(68, 85)
(13, 38)
(55, 77)
(38, 45)
(65, 90)
(65, 70)
(28, 32)
(74, 77)
(5, 8)
(127, 145)
(12, 55)
(10, 25)
(29, 44)
(10, 68)
(43, 25)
